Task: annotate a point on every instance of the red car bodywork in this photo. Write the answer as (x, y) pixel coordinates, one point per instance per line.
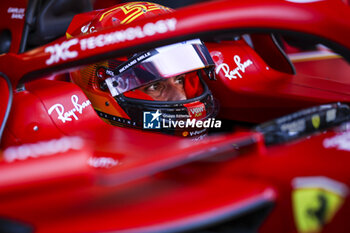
(75, 173)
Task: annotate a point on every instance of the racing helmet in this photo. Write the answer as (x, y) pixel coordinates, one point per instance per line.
(116, 87)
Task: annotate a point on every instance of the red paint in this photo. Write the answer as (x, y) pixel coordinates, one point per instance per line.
(161, 182)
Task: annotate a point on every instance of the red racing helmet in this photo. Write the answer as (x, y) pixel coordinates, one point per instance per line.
(116, 87)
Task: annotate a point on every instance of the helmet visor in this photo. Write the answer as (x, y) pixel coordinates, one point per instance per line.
(163, 62)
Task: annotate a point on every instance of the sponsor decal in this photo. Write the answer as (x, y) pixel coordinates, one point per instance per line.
(115, 120)
(102, 162)
(16, 13)
(217, 56)
(65, 116)
(196, 110)
(62, 51)
(315, 201)
(236, 72)
(197, 132)
(151, 120)
(340, 142)
(131, 33)
(331, 115)
(87, 29)
(136, 60)
(294, 126)
(44, 148)
(316, 121)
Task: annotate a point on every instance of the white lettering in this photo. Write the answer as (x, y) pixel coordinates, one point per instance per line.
(85, 28)
(16, 13)
(138, 32)
(241, 67)
(181, 124)
(67, 116)
(161, 26)
(197, 132)
(60, 112)
(208, 123)
(61, 51)
(149, 29)
(171, 24)
(130, 34)
(91, 43)
(197, 110)
(15, 10)
(191, 123)
(102, 162)
(44, 148)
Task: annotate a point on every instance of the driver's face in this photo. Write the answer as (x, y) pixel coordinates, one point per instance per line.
(171, 89)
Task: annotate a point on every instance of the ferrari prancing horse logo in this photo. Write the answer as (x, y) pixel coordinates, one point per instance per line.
(316, 121)
(315, 201)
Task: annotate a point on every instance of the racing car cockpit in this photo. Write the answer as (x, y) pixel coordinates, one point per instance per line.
(87, 117)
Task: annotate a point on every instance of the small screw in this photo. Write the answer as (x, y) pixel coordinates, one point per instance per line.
(115, 83)
(103, 86)
(107, 103)
(35, 128)
(211, 75)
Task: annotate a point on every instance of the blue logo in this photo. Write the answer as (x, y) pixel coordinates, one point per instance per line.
(151, 120)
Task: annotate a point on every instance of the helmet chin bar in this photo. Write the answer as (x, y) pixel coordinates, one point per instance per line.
(174, 110)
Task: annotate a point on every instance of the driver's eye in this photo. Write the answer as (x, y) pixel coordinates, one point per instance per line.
(153, 87)
(180, 79)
